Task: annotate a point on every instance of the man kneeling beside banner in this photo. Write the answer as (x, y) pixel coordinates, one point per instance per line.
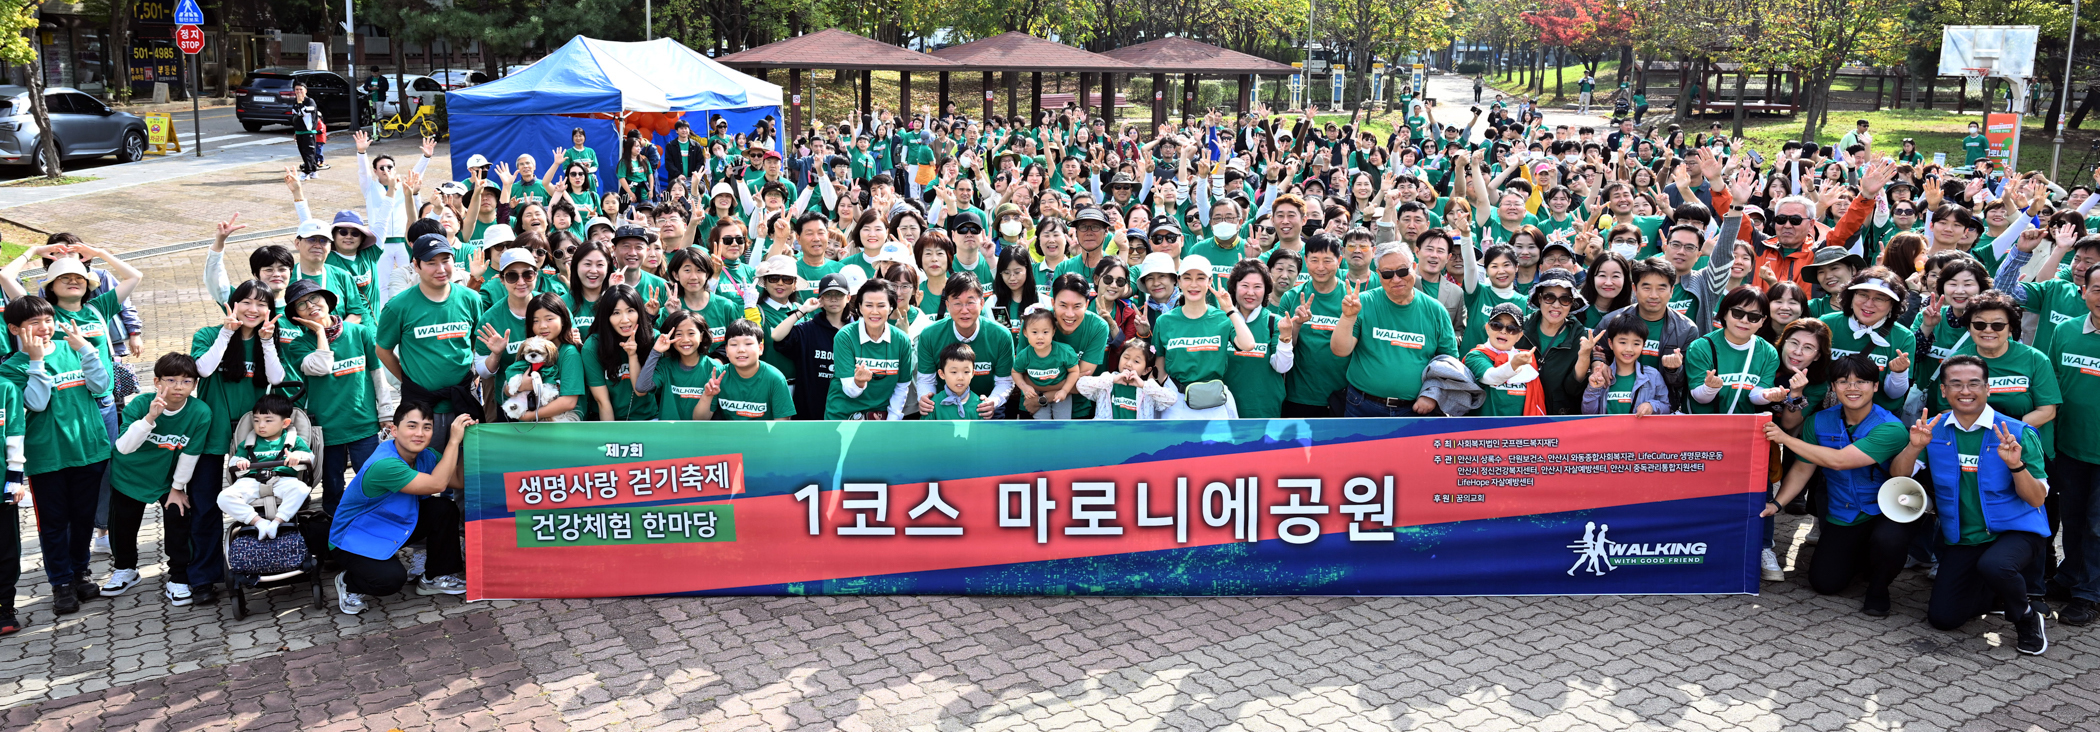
(1470, 506)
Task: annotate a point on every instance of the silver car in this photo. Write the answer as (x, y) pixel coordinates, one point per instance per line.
(86, 128)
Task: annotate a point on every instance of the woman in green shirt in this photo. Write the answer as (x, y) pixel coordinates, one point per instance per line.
(870, 359)
(335, 359)
(637, 169)
(1960, 279)
(1483, 293)
(589, 268)
(1732, 367)
(612, 358)
(1195, 343)
(2023, 381)
(240, 362)
(1255, 375)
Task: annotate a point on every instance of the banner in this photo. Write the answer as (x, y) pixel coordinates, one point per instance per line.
(1438, 506)
(1998, 128)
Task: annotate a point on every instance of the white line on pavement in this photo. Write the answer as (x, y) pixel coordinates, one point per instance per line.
(270, 141)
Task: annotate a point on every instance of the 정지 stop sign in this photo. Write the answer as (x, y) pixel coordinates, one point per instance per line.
(189, 38)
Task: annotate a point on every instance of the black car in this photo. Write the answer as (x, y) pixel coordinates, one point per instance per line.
(266, 98)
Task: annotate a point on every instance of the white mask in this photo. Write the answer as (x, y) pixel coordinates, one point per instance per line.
(1010, 228)
(1224, 230)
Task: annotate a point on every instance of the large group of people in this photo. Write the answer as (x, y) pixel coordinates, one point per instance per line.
(1896, 316)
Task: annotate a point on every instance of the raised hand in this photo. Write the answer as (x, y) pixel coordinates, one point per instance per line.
(2009, 449)
(1799, 381)
(714, 384)
(1899, 364)
(1598, 378)
(1930, 317)
(1674, 360)
(663, 343)
(158, 407)
(430, 146)
(861, 374)
(497, 342)
(363, 141)
(1713, 380)
(2030, 240)
(1521, 358)
(1921, 432)
(1351, 306)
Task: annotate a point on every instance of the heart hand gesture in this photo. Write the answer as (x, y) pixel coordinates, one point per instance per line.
(1674, 360)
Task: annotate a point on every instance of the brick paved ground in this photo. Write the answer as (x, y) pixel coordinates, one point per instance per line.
(1785, 660)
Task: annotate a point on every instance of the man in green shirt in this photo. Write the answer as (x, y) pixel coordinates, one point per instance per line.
(2075, 350)
(1389, 337)
(528, 188)
(1223, 247)
(1975, 146)
(991, 346)
(425, 336)
(1313, 386)
(751, 389)
(629, 243)
(1988, 485)
(157, 452)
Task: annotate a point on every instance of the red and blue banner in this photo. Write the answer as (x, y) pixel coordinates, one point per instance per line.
(1438, 506)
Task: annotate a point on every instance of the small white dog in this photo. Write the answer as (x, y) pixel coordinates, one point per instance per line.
(532, 378)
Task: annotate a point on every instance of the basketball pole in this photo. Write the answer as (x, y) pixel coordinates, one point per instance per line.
(2063, 93)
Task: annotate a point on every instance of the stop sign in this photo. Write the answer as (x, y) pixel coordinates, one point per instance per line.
(189, 38)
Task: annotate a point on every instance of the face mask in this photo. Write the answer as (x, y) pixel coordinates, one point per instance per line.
(1222, 231)
(1010, 229)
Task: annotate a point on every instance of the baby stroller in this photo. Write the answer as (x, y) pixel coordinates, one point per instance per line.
(253, 562)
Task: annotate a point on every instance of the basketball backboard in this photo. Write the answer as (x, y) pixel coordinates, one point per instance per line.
(2007, 50)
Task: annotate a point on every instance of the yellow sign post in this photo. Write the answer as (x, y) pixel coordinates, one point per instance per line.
(160, 134)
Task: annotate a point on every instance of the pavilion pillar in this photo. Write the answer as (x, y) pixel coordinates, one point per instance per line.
(987, 97)
(1108, 101)
(867, 94)
(1246, 93)
(942, 108)
(1086, 83)
(903, 97)
(794, 112)
(1035, 96)
(1159, 100)
(1189, 87)
(1013, 93)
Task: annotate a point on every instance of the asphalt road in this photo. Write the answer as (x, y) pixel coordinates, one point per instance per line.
(220, 133)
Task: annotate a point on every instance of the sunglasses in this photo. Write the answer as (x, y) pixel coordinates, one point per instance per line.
(515, 276)
(1114, 281)
(736, 240)
(386, 169)
(1789, 220)
(576, 174)
(970, 230)
(1981, 326)
(1747, 316)
(1551, 299)
(1161, 238)
(1501, 327)
(1395, 274)
(1905, 212)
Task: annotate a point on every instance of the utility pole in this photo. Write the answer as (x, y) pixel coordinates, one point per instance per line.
(2063, 93)
(648, 26)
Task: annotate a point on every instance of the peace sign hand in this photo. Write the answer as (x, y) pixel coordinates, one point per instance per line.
(1921, 432)
(714, 384)
(1930, 317)
(2009, 449)
(663, 343)
(1351, 304)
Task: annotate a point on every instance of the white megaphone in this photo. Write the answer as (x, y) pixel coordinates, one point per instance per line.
(1903, 500)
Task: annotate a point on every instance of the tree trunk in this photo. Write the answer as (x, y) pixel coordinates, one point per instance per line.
(2092, 96)
(120, 51)
(400, 71)
(1742, 83)
(1625, 63)
(1560, 75)
(47, 144)
(1684, 85)
(2055, 107)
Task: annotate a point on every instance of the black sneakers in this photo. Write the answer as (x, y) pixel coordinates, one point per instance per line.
(85, 591)
(2033, 639)
(64, 600)
(1877, 603)
(2077, 612)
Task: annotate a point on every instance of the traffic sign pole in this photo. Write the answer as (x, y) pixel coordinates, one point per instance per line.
(190, 39)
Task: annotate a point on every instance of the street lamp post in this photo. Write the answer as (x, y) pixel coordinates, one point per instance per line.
(2063, 93)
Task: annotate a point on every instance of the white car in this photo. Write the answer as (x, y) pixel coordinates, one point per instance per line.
(422, 90)
(459, 78)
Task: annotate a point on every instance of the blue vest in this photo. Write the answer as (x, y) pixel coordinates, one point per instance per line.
(375, 528)
(2003, 509)
(1858, 490)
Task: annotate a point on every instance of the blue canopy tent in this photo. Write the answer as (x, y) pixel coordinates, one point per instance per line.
(590, 83)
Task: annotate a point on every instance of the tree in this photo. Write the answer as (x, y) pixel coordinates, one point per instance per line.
(18, 18)
(1816, 38)
(1587, 28)
(1364, 29)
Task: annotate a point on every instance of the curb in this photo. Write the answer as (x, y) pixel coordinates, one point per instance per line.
(29, 274)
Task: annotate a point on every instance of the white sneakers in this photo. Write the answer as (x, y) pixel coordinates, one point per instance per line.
(450, 584)
(349, 602)
(100, 545)
(178, 594)
(1769, 563)
(121, 581)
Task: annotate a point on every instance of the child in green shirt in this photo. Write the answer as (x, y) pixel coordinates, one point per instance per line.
(958, 367)
(274, 441)
(156, 454)
(1044, 372)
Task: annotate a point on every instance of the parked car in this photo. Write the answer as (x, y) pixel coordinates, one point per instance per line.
(459, 78)
(84, 126)
(422, 90)
(266, 98)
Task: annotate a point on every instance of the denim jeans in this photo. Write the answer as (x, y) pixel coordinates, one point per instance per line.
(335, 461)
(65, 519)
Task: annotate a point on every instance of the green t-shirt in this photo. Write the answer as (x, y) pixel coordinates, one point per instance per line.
(1090, 341)
(2054, 302)
(93, 321)
(1969, 444)
(1500, 399)
(764, 396)
(507, 322)
(1193, 350)
(2023, 380)
(1257, 390)
(1479, 303)
(1741, 371)
(1974, 147)
(566, 374)
(361, 267)
(1043, 371)
(717, 314)
(1619, 400)
(1316, 372)
(342, 402)
(1222, 258)
(627, 406)
(432, 339)
(992, 345)
(1900, 340)
(262, 449)
(679, 389)
(388, 475)
(1396, 342)
(68, 432)
(2076, 355)
(770, 315)
(145, 474)
(228, 400)
(522, 192)
(812, 275)
(887, 360)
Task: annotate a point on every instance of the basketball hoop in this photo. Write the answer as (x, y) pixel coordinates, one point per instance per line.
(1979, 72)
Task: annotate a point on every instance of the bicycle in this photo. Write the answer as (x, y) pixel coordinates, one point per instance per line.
(424, 123)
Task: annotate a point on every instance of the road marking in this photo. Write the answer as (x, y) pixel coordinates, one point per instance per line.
(193, 140)
(268, 141)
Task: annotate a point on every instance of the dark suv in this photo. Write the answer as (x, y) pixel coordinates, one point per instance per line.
(266, 98)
